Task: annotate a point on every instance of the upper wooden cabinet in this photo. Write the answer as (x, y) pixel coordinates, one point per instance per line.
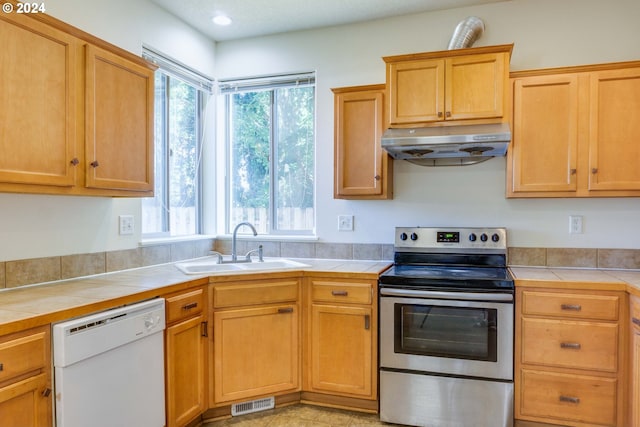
(76, 113)
(463, 84)
(362, 169)
(38, 85)
(575, 132)
(119, 125)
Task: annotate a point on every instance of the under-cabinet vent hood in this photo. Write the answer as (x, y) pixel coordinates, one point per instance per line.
(448, 145)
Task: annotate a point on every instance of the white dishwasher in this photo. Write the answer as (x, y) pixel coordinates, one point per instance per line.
(109, 368)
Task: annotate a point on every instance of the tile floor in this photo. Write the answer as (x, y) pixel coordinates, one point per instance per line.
(301, 416)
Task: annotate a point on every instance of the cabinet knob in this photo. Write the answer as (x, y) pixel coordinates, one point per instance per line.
(95, 164)
(377, 177)
(448, 114)
(439, 113)
(75, 161)
(635, 321)
(573, 171)
(594, 170)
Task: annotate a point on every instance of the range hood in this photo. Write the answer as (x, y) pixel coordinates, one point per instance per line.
(448, 145)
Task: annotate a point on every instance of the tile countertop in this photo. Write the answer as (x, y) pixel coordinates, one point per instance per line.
(578, 278)
(29, 306)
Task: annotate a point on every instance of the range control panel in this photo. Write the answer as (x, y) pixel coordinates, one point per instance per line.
(426, 238)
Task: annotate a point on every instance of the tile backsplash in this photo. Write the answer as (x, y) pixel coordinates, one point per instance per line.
(37, 270)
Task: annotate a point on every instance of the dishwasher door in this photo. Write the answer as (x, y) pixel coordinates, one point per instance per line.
(109, 368)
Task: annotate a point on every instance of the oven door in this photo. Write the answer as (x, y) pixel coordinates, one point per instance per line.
(450, 333)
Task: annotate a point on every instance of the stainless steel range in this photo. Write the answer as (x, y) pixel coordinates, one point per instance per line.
(446, 329)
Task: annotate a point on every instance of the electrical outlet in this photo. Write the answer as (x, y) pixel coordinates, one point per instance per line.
(345, 222)
(126, 224)
(575, 224)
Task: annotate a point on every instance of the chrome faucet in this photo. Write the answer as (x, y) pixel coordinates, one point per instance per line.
(234, 255)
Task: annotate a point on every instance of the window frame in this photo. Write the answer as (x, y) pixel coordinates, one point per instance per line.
(171, 69)
(270, 83)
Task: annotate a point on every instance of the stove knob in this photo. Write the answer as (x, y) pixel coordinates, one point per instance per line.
(473, 237)
(414, 236)
(484, 237)
(495, 237)
(403, 236)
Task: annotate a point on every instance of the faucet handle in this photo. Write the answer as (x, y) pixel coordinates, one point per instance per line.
(259, 250)
(220, 259)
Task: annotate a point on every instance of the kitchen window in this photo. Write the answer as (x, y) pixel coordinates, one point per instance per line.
(270, 134)
(181, 95)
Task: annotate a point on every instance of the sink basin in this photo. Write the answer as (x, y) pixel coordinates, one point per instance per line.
(209, 265)
(272, 264)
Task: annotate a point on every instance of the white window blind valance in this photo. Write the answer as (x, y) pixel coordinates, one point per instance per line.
(176, 69)
(266, 82)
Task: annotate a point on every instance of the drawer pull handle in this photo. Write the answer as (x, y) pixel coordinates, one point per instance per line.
(572, 345)
(285, 310)
(1, 367)
(571, 307)
(367, 322)
(190, 306)
(339, 293)
(569, 399)
(635, 321)
(46, 392)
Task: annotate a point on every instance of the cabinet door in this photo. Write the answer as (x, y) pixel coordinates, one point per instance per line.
(256, 351)
(361, 165)
(475, 86)
(614, 151)
(37, 103)
(635, 377)
(341, 350)
(544, 148)
(186, 374)
(119, 122)
(26, 403)
(416, 91)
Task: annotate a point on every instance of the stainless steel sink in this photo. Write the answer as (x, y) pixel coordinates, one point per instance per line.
(210, 265)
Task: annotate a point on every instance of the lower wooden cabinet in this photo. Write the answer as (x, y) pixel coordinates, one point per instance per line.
(25, 379)
(341, 341)
(570, 357)
(256, 329)
(186, 356)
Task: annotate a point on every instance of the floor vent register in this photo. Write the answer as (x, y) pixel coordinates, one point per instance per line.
(253, 406)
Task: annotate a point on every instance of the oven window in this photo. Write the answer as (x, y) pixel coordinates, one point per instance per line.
(441, 331)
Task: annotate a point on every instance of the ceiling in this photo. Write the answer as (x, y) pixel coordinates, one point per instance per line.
(253, 18)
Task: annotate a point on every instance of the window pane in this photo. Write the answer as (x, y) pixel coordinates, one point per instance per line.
(183, 157)
(154, 212)
(295, 158)
(250, 130)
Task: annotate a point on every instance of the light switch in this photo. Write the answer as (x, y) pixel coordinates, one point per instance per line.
(126, 224)
(345, 222)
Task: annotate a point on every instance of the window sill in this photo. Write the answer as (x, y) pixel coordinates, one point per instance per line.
(174, 239)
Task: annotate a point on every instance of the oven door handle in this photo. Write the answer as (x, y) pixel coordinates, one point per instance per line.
(467, 296)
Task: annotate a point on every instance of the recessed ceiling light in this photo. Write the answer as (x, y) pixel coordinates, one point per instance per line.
(221, 20)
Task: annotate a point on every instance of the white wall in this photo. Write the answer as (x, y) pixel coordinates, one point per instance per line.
(34, 226)
(546, 33)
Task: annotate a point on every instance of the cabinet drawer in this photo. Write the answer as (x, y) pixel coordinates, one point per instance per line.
(239, 294)
(568, 397)
(184, 305)
(23, 353)
(570, 344)
(341, 292)
(578, 306)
